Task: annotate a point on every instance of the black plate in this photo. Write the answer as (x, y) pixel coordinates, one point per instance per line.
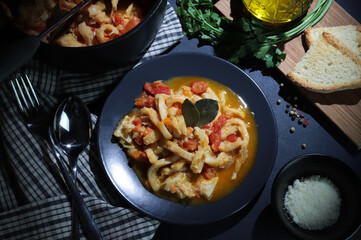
(120, 102)
(340, 174)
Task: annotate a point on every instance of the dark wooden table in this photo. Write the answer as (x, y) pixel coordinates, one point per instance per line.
(320, 136)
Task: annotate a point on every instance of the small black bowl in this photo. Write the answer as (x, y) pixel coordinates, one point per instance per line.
(340, 174)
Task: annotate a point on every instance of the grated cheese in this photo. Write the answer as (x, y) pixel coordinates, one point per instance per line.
(313, 203)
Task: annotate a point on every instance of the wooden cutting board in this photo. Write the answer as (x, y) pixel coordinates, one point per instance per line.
(342, 108)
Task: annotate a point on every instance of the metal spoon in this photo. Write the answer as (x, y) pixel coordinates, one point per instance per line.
(72, 129)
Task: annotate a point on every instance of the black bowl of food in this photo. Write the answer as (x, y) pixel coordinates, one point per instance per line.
(158, 169)
(318, 197)
(102, 36)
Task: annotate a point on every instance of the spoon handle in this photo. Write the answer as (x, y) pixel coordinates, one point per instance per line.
(75, 223)
(74, 213)
(84, 214)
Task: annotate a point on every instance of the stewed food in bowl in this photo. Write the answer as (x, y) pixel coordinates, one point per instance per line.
(102, 36)
(98, 22)
(190, 139)
(186, 76)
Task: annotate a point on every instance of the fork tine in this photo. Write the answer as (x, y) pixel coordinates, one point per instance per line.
(32, 90)
(25, 94)
(31, 94)
(20, 90)
(20, 105)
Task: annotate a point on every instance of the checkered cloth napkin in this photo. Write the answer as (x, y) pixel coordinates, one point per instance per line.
(34, 202)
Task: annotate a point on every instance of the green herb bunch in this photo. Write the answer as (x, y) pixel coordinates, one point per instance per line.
(242, 37)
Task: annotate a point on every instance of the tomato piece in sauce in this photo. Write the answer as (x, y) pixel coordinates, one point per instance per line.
(215, 136)
(148, 88)
(118, 19)
(199, 87)
(145, 100)
(156, 88)
(190, 145)
(131, 24)
(232, 138)
(209, 172)
(137, 122)
(150, 102)
(159, 88)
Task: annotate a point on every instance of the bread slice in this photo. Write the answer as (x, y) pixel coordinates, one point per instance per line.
(349, 35)
(328, 66)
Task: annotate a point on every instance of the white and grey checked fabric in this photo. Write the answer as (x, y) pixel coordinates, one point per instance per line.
(34, 203)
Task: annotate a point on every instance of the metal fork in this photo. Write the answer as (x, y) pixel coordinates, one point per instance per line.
(38, 123)
(34, 116)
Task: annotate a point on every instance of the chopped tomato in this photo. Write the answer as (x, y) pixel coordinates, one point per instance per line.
(150, 102)
(215, 136)
(209, 172)
(232, 138)
(137, 121)
(191, 145)
(159, 88)
(148, 87)
(215, 139)
(131, 24)
(199, 87)
(118, 19)
(140, 102)
(156, 88)
(207, 126)
(177, 105)
(145, 100)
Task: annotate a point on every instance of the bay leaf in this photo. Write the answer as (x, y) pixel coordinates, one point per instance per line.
(208, 110)
(190, 113)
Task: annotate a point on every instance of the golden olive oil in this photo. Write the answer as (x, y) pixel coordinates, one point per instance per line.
(277, 11)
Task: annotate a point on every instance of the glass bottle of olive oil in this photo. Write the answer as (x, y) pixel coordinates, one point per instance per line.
(277, 11)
